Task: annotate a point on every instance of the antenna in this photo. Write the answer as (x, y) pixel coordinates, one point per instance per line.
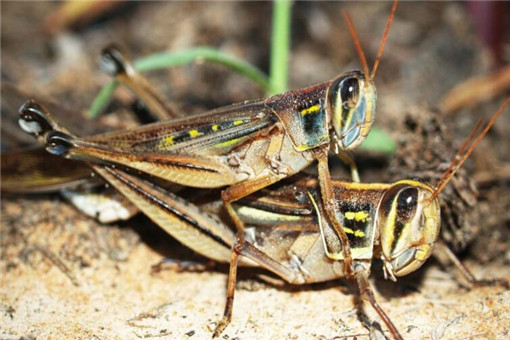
(384, 38)
(357, 44)
(459, 159)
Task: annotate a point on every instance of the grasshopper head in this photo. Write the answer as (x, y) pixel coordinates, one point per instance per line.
(409, 225)
(351, 102)
(409, 215)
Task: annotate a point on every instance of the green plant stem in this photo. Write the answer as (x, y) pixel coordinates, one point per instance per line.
(280, 45)
(102, 97)
(170, 59)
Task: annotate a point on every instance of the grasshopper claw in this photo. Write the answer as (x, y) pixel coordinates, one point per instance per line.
(220, 327)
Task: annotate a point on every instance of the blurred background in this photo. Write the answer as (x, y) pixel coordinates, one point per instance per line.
(446, 64)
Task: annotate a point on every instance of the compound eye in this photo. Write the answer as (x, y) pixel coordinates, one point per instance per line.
(398, 221)
(352, 105)
(407, 202)
(350, 93)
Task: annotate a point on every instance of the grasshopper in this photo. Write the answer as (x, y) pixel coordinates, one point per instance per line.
(288, 231)
(244, 147)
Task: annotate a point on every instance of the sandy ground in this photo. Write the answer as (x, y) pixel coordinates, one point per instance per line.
(67, 277)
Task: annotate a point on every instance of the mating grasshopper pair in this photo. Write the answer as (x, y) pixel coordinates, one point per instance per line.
(245, 147)
(250, 146)
(287, 229)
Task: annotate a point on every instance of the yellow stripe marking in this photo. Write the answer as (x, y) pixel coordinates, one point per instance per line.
(311, 110)
(266, 216)
(303, 147)
(215, 127)
(166, 142)
(194, 133)
(228, 143)
(237, 122)
(359, 216)
(388, 230)
(357, 233)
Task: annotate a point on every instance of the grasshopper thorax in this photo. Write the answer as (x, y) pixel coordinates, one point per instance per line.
(351, 100)
(408, 224)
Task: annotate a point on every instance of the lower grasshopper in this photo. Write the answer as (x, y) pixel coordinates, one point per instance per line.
(244, 147)
(289, 234)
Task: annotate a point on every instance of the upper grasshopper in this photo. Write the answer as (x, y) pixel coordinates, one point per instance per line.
(244, 147)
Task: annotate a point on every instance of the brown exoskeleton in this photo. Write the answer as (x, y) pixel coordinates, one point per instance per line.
(243, 147)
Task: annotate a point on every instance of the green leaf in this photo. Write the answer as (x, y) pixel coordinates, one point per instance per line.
(379, 141)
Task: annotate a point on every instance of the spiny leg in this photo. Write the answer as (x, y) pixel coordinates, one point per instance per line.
(328, 199)
(367, 294)
(246, 249)
(188, 224)
(228, 196)
(467, 273)
(231, 286)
